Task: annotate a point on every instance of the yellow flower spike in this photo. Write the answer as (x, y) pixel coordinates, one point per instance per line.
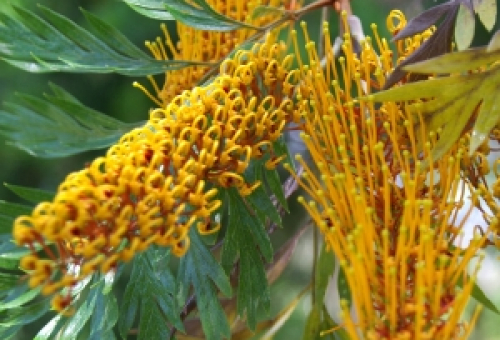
(383, 214)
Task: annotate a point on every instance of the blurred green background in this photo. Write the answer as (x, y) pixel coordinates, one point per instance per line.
(115, 96)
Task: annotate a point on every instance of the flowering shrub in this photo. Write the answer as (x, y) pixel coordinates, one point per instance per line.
(383, 180)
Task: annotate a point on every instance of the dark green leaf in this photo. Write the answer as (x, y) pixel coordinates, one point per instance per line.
(6, 224)
(14, 210)
(259, 199)
(58, 44)
(274, 182)
(245, 236)
(324, 269)
(478, 294)
(343, 286)
(202, 16)
(105, 314)
(198, 268)
(152, 324)
(154, 9)
(30, 194)
(59, 126)
(151, 286)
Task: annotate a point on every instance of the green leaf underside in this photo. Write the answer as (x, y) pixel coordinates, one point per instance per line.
(153, 9)
(247, 239)
(59, 125)
(151, 290)
(274, 183)
(464, 28)
(58, 44)
(199, 268)
(202, 16)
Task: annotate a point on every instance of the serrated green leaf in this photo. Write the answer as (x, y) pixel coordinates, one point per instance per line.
(478, 294)
(264, 10)
(150, 282)
(154, 9)
(259, 199)
(58, 126)
(487, 12)
(274, 183)
(464, 28)
(30, 194)
(202, 16)
(83, 313)
(58, 44)
(130, 300)
(105, 315)
(245, 236)
(198, 268)
(152, 325)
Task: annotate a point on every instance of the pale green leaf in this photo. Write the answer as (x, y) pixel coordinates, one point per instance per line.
(464, 28)
(487, 12)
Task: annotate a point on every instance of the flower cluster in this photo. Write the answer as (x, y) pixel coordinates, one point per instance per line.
(385, 207)
(205, 46)
(161, 179)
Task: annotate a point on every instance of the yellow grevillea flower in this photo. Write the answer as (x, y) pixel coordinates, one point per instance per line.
(205, 46)
(388, 219)
(159, 180)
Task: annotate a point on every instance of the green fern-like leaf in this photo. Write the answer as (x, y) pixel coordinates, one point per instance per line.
(58, 44)
(58, 125)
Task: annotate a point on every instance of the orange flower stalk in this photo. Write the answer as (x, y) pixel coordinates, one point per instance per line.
(160, 180)
(386, 217)
(206, 46)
